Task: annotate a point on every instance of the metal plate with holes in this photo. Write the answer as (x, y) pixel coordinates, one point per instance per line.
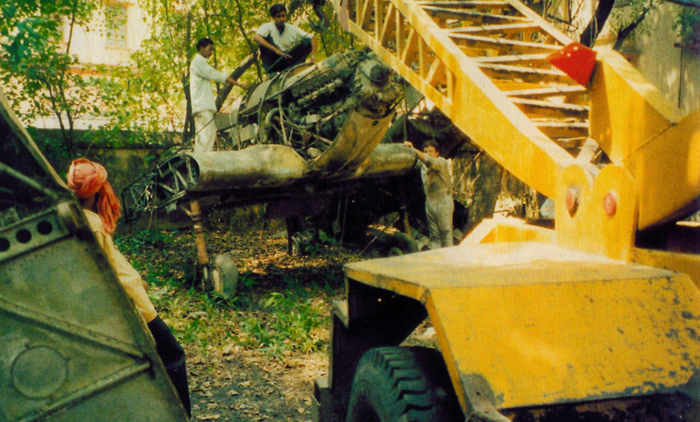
(72, 346)
(30, 234)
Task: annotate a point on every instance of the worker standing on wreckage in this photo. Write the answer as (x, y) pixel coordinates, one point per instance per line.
(202, 96)
(437, 184)
(283, 45)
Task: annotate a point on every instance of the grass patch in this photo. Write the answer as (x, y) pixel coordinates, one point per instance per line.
(282, 307)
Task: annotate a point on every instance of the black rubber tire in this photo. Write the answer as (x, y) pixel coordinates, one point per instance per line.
(394, 251)
(403, 242)
(397, 384)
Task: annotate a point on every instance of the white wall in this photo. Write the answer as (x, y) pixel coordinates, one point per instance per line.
(675, 71)
(89, 42)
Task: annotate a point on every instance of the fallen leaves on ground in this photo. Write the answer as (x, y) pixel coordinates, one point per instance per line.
(253, 357)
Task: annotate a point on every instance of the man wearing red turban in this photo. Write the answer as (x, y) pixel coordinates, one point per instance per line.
(88, 180)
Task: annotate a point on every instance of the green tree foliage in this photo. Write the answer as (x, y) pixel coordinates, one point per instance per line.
(35, 71)
(632, 19)
(163, 62)
(687, 26)
(146, 95)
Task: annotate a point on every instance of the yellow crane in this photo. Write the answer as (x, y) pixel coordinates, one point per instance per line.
(600, 314)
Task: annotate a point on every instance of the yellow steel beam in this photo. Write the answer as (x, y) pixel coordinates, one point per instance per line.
(644, 132)
(657, 146)
(469, 99)
(626, 109)
(667, 171)
(554, 35)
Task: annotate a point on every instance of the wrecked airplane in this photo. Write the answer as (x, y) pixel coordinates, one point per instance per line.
(304, 134)
(310, 127)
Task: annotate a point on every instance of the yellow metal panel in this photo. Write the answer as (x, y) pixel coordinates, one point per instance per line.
(485, 232)
(626, 109)
(547, 343)
(481, 265)
(667, 171)
(688, 264)
(544, 325)
(590, 229)
(508, 230)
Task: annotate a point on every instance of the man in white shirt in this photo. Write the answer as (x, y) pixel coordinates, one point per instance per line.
(202, 96)
(283, 45)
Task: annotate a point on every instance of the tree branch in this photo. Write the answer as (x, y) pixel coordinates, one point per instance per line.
(237, 72)
(72, 24)
(253, 48)
(590, 34)
(623, 33)
(689, 3)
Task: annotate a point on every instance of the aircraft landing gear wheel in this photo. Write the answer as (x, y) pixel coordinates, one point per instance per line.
(394, 251)
(397, 384)
(224, 275)
(401, 244)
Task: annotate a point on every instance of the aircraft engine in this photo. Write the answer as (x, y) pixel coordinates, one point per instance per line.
(307, 106)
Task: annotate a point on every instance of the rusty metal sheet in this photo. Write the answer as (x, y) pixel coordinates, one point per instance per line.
(253, 167)
(72, 346)
(387, 160)
(354, 143)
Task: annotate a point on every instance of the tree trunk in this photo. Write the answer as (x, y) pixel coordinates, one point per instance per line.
(188, 130)
(590, 34)
(625, 32)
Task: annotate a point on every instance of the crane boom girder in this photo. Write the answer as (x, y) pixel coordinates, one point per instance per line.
(410, 42)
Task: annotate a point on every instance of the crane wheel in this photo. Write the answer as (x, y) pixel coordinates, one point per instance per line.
(395, 384)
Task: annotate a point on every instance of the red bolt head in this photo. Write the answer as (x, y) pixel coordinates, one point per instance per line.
(610, 203)
(572, 199)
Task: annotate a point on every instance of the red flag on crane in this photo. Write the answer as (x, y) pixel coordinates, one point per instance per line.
(576, 60)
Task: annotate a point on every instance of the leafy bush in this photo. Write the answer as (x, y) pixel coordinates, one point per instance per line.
(687, 26)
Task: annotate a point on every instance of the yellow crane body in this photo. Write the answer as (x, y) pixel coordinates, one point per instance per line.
(543, 324)
(528, 317)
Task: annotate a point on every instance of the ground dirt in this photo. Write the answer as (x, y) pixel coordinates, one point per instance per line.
(255, 357)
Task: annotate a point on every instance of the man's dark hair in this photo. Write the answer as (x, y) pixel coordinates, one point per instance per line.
(203, 42)
(431, 143)
(276, 8)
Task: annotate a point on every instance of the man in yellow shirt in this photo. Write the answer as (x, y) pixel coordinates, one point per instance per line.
(88, 180)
